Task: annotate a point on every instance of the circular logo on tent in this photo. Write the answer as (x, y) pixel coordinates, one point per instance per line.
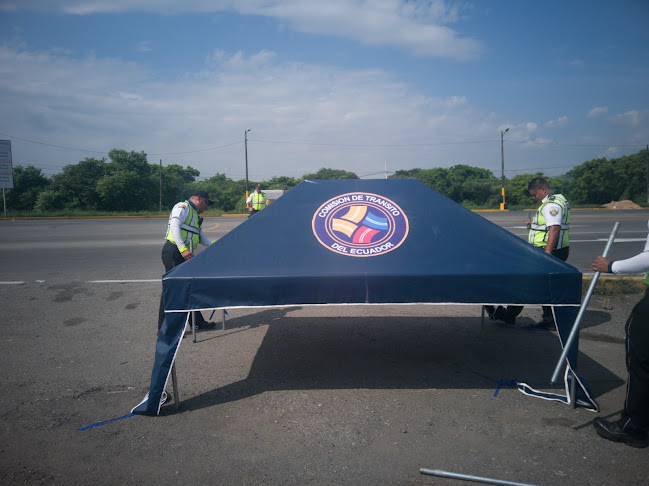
(360, 224)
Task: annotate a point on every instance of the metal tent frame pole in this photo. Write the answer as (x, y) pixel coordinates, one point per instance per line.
(575, 328)
(468, 477)
(174, 379)
(174, 383)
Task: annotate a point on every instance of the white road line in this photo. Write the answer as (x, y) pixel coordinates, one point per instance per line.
(11, 283)
(123, 281)
(617, 240)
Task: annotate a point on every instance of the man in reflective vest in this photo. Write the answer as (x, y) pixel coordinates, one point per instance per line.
(550, 231)
(256, 201)
(633, 427)
(183, 236)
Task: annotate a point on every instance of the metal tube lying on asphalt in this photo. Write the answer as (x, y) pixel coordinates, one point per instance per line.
(468, 477)
(575, 328)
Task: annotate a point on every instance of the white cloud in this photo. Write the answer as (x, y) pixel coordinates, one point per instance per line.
(562, 120)
(239, 62)
(537, 142)
(143, 46)
(525, 134)
(129, 96)
(597, 111)
(419, 27)
(302, 117)
(455, 101)
(530, 127)
(631, 118)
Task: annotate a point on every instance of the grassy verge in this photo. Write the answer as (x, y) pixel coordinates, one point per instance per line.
(615, 285)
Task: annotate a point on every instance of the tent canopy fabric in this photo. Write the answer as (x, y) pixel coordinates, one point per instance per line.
(361, 242)
(449, 254)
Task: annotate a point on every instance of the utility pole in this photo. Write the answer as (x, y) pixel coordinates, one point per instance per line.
(647, 157)
(503, 206)
(245, 142)
(160, 185)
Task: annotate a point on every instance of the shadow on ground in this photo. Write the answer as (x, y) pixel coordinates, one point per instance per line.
(392, 353)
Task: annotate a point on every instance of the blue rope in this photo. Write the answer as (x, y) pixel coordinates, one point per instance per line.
(106, 421)
(212, 314)
(500, 383)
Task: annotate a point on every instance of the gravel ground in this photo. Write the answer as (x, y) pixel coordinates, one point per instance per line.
(304, 395)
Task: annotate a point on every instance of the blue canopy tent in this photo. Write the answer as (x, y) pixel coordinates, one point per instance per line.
(363, 242)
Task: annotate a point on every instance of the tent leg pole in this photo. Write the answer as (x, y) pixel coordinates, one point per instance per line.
(573, 391)
(482, 321)
(194, 326)
(223, 321)
(174, 383)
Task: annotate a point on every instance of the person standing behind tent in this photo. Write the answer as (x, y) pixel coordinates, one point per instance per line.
(183, 236)
(256, 201)
(550, 231)
(633, 427)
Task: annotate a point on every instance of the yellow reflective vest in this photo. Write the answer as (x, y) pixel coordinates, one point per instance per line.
(258, 200)
(538, 235)
(190, 230)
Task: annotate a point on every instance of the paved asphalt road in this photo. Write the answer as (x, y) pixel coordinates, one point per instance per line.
(305, 395)
(89, 250)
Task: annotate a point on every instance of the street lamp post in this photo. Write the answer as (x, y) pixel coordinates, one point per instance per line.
(245, 142)
(503, 206)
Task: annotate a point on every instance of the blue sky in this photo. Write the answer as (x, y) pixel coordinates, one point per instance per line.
(355, 85)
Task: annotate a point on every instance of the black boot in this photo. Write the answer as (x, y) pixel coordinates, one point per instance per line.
(614, 431)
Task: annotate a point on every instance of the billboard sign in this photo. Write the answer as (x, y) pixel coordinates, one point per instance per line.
(6, 168)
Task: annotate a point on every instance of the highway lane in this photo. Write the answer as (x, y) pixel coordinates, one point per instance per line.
(589, 232)
(89, 250)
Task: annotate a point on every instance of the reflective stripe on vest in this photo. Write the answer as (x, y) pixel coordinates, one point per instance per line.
(258, 200)
(189, 229)
(538, 235)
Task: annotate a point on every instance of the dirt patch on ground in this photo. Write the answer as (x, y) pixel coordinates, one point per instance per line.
(626, 204)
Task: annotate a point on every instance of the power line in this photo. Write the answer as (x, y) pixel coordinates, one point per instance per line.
(52, 145)
(375, 173)
(371, 144)
(317, 144)
(104, 152)
(531, 142)
(200, 150)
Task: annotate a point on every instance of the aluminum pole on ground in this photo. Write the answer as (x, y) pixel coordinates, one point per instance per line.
(468, 477)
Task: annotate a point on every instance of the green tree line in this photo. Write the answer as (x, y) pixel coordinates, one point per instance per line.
(128, 183)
